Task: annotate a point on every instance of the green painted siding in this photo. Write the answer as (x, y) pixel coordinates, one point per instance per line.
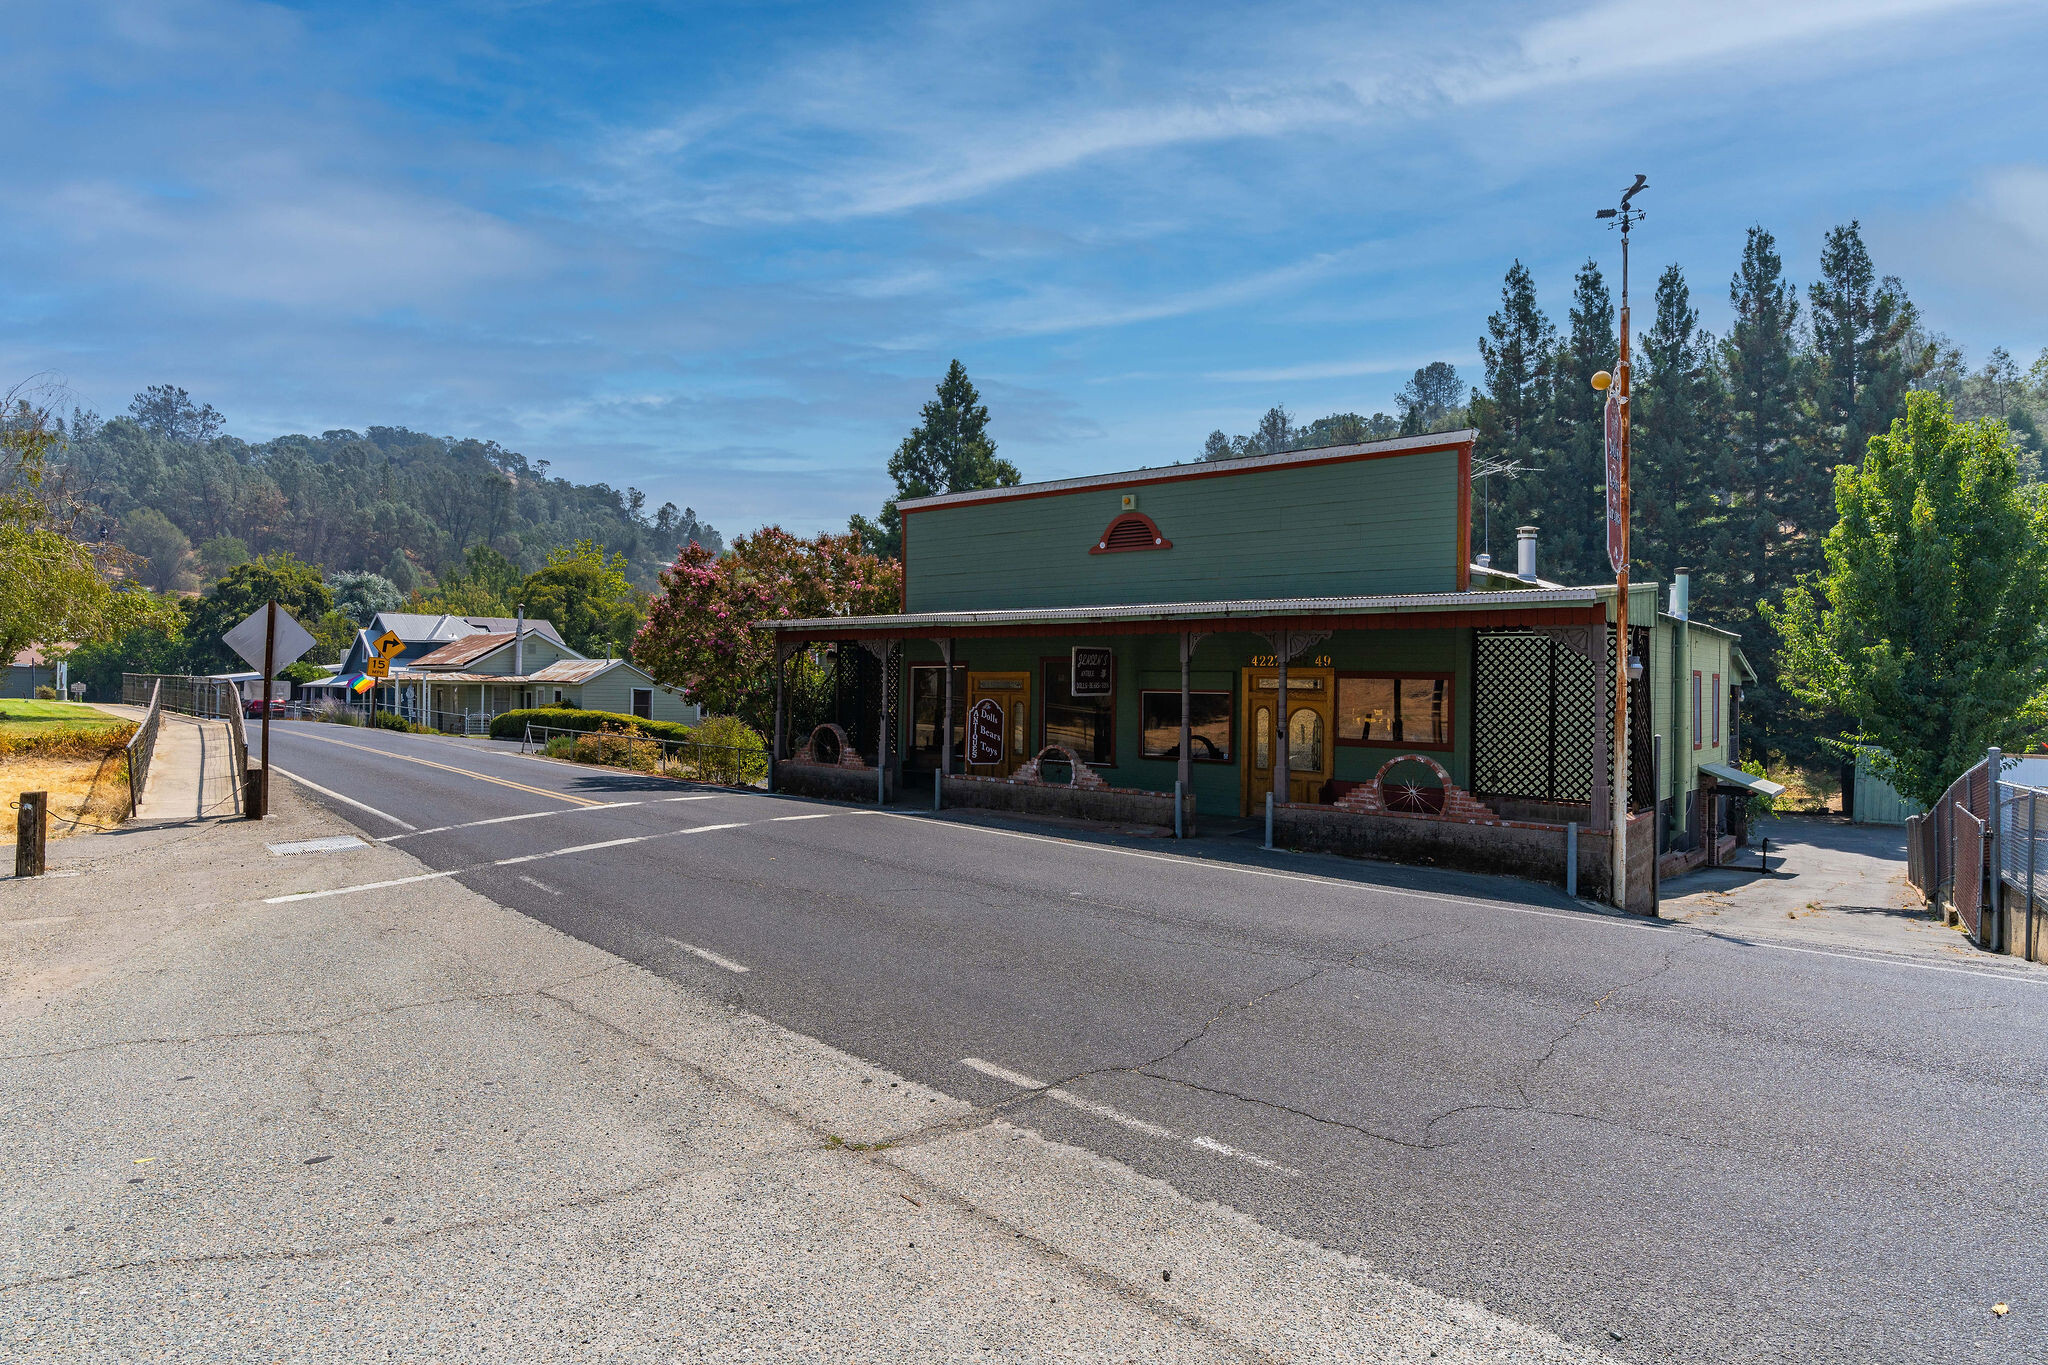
(1388, 525)
(613, 691)
(539, 652)
(1152, 663)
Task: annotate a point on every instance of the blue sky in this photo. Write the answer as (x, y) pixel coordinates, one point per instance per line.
(723, 252)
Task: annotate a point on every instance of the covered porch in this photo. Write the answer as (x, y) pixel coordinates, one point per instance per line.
(1468, 729)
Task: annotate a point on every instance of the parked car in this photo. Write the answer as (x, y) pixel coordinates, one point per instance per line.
(253, 708)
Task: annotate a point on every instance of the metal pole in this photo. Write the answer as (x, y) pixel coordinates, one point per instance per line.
(1177, 789)
(1269, 818)
(1991, 929)
(269, 669)
(1571, 858)
(2033, 863)
(1620, 790)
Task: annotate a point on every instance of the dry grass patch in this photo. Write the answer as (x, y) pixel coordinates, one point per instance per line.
(87, 792)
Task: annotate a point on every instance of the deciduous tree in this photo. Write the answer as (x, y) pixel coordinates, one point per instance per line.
(1929, 624)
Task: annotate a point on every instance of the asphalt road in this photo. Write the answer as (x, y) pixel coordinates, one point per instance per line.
(1665, 1142)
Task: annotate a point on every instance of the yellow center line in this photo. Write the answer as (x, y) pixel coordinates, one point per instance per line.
(449, 768)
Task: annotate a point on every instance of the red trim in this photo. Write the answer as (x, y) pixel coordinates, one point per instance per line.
(1450, 681)
(1699, 741)
(1414, 620)
(1465, 517)
(1717, 709)
(1103, 547)
(1187, 474)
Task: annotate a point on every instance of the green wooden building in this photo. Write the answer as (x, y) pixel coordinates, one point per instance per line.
(1099, 640)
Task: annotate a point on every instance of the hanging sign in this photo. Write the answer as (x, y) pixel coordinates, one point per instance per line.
(985, 731)
(1615, 537)
(1092, 672)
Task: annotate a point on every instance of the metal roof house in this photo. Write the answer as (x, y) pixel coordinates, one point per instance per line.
(460, 682)
(1097, 642)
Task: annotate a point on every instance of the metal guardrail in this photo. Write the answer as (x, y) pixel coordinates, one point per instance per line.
(719, 764)
(141, 747)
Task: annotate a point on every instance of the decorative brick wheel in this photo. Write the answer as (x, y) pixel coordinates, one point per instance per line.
(1407, 792)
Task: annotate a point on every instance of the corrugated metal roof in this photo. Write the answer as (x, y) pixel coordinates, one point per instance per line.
(467, 649)
(420, 627)
(1437, 440)
(576, 670)
(1251, 608)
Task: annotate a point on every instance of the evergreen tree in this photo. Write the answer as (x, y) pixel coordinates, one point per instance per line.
(1518, 350)
(1864, 359)
(1770, 468)
(950, 451)
(1677, 447)
(1573, 508)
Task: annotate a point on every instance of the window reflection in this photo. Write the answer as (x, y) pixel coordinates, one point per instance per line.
(1262, 721)
(1305, 741)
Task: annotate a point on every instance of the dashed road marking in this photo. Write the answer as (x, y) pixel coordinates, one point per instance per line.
(1118, 1116)
(713, 958)
(539, 885)
(783, 819)
(500, 862)
(334, 843)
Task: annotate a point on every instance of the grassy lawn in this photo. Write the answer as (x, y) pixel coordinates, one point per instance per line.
(37, 719)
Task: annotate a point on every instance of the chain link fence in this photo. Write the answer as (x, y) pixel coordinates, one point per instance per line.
(1999, 893)
(2022, 869)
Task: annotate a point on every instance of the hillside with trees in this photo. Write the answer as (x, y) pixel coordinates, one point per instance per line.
(166, 482)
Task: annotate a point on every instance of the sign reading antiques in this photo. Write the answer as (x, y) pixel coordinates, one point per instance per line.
(985, 731)
(1093, 670)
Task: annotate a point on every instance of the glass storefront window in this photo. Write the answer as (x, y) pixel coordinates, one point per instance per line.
(1087, 725)
(1390, 711)
(927, 684)
(1208, 725)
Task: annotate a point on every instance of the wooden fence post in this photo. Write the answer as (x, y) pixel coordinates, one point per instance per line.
(31, 831)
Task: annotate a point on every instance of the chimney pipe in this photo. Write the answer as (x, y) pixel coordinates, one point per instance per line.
(519, 643)
(1485, 561)
(1525, 553)
(1681, 594)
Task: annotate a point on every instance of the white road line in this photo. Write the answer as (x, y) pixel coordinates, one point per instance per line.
(506, 820)
(782, 819)
(1118, 1116)
(2018, 976)
(502, 862)
(713, 958)
(345, 800)
(366, 886)
(539, 885)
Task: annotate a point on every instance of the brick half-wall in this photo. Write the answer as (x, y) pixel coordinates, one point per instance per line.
(1118, 805)
(1506, 848)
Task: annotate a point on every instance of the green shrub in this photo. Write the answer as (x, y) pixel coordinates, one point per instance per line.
(614, 748)
(46, 694)
(512, 724)
(391, 720)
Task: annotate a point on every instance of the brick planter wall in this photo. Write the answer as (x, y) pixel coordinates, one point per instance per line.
(1119, 805)
(831, 781)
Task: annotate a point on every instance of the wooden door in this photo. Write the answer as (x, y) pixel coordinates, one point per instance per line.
(1311, 721)
(1008, 696)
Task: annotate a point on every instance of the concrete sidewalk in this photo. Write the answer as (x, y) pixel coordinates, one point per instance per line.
(1830, 884)
(191, 772)
(409, 1123)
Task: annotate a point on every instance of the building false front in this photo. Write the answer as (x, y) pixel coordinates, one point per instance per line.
(1103, 639)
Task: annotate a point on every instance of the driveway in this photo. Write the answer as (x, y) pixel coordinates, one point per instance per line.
(1830, 883)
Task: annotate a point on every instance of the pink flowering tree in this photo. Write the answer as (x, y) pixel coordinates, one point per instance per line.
(700, 633)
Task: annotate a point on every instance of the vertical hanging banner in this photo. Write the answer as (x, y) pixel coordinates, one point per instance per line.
(1613, 428)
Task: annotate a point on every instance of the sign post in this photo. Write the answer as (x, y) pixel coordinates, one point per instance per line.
(269, 639)
(1617, 426)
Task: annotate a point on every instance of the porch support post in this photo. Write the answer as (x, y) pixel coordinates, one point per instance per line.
(1187, 736)
(1283, 774)
(946, 713)
(1597, 700)
(775, 751)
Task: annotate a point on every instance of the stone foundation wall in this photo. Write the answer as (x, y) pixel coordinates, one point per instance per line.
(1118, 805)
(1503, 847)
(830, 781)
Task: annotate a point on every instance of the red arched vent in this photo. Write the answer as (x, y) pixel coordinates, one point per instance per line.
(1131, 531)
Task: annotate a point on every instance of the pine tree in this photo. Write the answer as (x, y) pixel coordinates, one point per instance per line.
(1865, 359)
(1573, 511)
(1512, 414)
(1770, 470)
(950, 451)
(1678, 445)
